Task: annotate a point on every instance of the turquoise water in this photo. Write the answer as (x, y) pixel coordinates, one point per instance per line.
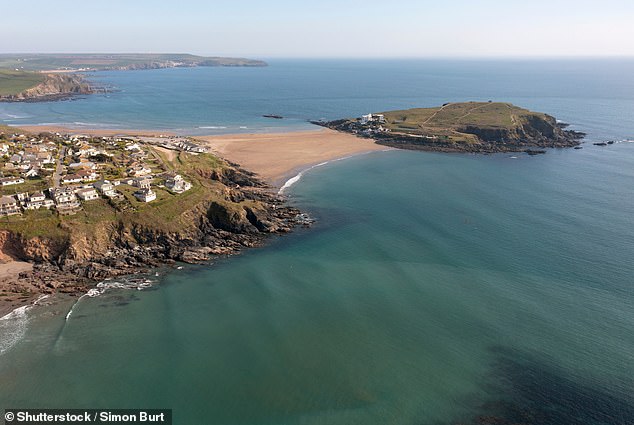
(433, 289)
(591, 94)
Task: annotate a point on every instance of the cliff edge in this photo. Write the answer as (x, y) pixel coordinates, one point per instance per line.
(485, 127)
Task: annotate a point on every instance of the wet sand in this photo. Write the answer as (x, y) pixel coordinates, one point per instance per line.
(280, 156)
(10, 295)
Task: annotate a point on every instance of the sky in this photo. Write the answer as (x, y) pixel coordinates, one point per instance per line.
(323, 28)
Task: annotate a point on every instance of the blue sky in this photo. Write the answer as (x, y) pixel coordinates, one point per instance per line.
(326, 28)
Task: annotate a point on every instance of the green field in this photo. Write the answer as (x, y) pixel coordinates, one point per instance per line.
(43, 62)
(451, 119)
(167, 213)
(13, 82)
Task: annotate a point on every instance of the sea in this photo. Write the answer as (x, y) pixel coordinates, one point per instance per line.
(433, 288)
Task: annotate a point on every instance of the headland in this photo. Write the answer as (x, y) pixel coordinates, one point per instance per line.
(49, 77)
(476, 127)
(108, 227)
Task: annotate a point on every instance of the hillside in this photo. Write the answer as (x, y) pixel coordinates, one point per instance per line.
(13, 82)
(224, 210)
(467, 126)
(97, 62)
(28, 86)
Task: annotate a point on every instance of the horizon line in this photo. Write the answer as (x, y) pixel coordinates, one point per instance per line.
(340, 57)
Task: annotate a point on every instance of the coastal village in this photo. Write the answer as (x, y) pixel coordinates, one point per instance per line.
(62, 172)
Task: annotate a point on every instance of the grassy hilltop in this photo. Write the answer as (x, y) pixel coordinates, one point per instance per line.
(13, 82)
(462, 127)
(456, 121)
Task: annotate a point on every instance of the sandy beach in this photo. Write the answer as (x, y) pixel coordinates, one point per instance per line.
(279, 156)
(275, 157)
(10, 295)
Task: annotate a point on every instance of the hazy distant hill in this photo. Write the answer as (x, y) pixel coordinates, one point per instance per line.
(90, 61)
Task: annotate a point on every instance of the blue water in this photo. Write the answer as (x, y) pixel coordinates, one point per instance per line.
(584, 93)
(433, 289)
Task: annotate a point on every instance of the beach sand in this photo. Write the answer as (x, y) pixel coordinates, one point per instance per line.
(275, 157)
(11, 297)
(280, 156)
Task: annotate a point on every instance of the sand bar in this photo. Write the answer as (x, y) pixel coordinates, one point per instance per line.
(277, 157)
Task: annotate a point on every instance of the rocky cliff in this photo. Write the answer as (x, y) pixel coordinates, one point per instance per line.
(485, 127)
(226, 218)
(54, 87)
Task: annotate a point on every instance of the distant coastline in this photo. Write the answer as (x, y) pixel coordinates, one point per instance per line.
(52, 77)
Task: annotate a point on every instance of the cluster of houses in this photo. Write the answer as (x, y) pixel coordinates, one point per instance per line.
(377, 118)
(67, 199)
(76, 174)
(26, 157)
(176, 144)
(372, 123)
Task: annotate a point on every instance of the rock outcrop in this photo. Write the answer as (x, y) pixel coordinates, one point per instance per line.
(239, 216)
(476, 127)
(54, 87)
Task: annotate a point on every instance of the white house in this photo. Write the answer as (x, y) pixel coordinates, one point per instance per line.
(365, 119)
(64, 197)
(33, 172)
(132, 147)
(177, 184)
(145, 195)
(8, 181)
(37, 200)
(142, 182)
(139, 170)
(9, 206)
(106, 188)
(71, 178)
(87, 194)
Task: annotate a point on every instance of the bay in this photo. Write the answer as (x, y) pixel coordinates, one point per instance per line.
(434, 288)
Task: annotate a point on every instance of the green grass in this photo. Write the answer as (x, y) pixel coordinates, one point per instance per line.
(14, 82)
(168, 213)
(41, 62)
(449, 120)
(37, 223)
(29, 185)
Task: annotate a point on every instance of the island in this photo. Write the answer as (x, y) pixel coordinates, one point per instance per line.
(46, 77)
(85, 208)
(483, 127)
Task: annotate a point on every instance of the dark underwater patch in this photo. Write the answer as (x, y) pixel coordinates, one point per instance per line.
(536, 393)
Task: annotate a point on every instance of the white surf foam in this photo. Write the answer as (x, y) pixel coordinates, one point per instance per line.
(12, 328)
(296, 178)
(213, 127)
(106, 285)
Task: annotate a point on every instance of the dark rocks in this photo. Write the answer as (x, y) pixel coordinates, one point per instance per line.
(535, 131)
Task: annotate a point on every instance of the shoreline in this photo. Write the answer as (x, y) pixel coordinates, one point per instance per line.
(279, 159)
(300, 173)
